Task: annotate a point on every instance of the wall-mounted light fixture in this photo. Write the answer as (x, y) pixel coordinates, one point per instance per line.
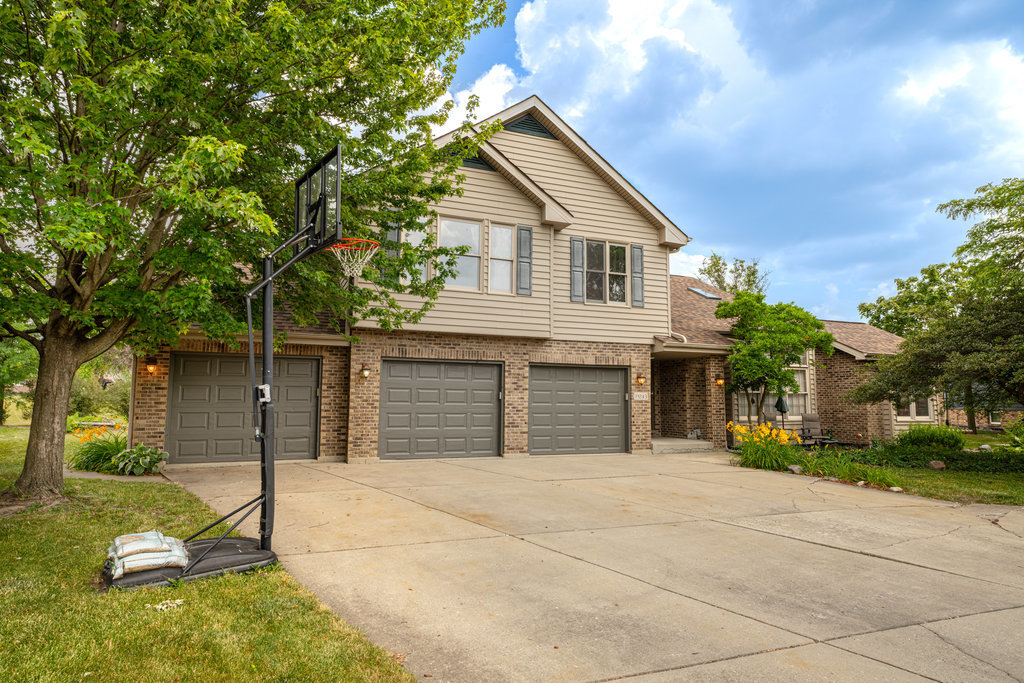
(365, 371)
(720, 381)
(641, 380)
(151, 364)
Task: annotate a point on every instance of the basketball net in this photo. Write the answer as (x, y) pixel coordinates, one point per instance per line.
(353, 254)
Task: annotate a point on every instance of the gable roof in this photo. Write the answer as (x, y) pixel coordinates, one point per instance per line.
(861, 340)
(670, 234)
(693, 319)
(552, 212)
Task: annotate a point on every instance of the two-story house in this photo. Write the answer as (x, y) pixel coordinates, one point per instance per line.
(541, 345)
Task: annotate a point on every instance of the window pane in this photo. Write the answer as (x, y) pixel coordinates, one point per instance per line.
(469, 272)
(921, 407)
(617, 288)
(616, 258)
(801, 379)
(903, 409)
(995, 418)
(501, 242)
(595, 287)
(458, 233)
(595, 258)
(797, 404)
(416, 239)
(501, 276)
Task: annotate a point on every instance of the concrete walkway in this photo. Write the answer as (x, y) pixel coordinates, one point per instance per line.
(663, 568)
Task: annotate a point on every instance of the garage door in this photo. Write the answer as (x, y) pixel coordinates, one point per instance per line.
(439, 409)
(209, 413)
(577, 409)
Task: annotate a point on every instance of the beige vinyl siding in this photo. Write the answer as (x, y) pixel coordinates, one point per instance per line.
(601, 214)
(902, 424)
(490, 199)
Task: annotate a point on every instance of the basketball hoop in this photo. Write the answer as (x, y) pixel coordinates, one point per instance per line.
(353, 254)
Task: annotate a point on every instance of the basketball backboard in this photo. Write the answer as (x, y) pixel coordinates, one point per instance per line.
(319, 184)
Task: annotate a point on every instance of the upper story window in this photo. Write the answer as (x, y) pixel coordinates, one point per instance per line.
(920, 409)
(606, 272)
(502, 250)
(457, 233)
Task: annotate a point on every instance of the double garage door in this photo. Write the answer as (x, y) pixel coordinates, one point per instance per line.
(209, 416)
(451, 409)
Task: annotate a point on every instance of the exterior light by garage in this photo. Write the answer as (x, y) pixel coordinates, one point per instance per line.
(365, 371)
(720, 381)
(151, 365)
(641, 380)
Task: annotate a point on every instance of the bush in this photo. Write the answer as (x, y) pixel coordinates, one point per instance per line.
(843, 465)
(765, 448)
(1015, 431)
(88, 397)
(932, 436)
(1002, 459)
(97, 452)
(139, 460)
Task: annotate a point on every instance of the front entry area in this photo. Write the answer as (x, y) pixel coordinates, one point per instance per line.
(439, 409)
(578, 409)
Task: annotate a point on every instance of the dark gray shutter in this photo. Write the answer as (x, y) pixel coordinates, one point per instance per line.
(637, 273)
(394, 235)
(576, 269)
(524, 260)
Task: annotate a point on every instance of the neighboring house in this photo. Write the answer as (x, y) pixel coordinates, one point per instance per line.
(997, 419)
(690, 362)
(542, 344)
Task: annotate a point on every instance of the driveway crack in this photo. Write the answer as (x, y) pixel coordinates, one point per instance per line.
(965, 652)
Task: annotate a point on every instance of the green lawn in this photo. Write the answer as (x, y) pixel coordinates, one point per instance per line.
(981, 438)
(962, 487)
(55, 626)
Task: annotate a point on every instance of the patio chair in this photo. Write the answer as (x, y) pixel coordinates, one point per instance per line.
(811, 433)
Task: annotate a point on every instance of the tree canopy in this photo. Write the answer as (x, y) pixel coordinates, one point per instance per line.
(147, 151)
(769, 339)
(741, 276)
(963, 322)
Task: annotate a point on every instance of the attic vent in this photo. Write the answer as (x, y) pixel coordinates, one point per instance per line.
(477, 162)
(529, 125)
(704, 293)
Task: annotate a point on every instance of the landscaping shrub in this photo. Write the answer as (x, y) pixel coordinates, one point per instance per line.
(843, 465)
(763, 447)
(932, 436)
(139, 460)
(98, 450)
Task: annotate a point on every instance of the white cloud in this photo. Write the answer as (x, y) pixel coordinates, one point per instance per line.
(685, 263)
(492, 89)
(886, 289)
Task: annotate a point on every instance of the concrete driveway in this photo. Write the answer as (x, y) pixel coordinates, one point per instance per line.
(661, 568)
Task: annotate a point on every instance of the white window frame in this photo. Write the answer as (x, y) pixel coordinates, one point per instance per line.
(997, 420)
(481, 275)
(511, 260)
(606, 301)
(912, 415)
(403, 237)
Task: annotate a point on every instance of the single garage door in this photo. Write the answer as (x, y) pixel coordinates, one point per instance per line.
(209, 412)
(577, 409)
(439, 409)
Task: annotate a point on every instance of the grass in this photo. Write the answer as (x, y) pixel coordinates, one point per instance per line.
(981, 438)
(55, 626)
(962, 487)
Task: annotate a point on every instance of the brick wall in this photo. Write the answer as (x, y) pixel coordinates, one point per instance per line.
(149, 403)
(849, 422)
(688, 398)
(517, 355)
(958, 418)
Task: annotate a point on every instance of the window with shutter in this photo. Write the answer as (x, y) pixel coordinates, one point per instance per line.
(524, 261)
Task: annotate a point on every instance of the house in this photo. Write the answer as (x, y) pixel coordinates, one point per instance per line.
(685, 362)
(956, 416)
(542, 345)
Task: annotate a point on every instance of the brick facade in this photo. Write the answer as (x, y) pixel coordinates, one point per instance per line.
(958, 418)
(687, 398)
(149, 400)
(850, 422)
(516, 354)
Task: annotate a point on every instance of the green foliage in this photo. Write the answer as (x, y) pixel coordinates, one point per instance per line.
(963, 322)
(18, 361)
(139, 460)
(1001, 459)
(97, 454)
(939, 436)
(768, 340)
(739, 277)
(766, 456)
(88, 397)
(77, 421)
(842, 465)
(1015, 431)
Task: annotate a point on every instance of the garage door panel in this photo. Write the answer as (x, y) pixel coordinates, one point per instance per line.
(455, 411)
(577, 409)
(209, 412)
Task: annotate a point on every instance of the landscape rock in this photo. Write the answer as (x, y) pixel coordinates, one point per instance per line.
(862, 483)
(795, 469)
(937, 465)
(984, 447)
(897, 489)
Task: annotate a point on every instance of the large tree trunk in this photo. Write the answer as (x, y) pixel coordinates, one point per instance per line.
(972, 420)
(43, 474)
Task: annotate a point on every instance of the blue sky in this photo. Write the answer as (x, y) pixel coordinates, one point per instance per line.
(816, 135)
